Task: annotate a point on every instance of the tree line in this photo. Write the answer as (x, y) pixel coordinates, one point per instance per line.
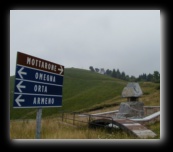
(154, 77)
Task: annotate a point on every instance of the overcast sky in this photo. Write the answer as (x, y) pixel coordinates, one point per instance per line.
(128, 40)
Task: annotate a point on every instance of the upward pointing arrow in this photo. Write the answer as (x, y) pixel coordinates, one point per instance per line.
(61, 70)
(20, 72)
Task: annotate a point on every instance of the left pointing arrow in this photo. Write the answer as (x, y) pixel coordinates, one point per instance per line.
(20, 72)
(18, 100)
(19, 86)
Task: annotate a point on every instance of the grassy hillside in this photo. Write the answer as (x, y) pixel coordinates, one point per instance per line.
(84, 90)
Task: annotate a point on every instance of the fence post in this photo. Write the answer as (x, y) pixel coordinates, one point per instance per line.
(89, 119)
(112, 123)
(73, 117)
(62, 116)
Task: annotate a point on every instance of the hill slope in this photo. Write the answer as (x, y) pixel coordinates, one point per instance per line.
(84, 90)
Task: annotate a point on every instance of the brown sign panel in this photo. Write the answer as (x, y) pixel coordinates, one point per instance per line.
(37, 63)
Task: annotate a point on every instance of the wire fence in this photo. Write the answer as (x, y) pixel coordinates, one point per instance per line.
(102, 120)
(89, 120)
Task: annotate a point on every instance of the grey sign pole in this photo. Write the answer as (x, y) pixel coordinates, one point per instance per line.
(38, 123)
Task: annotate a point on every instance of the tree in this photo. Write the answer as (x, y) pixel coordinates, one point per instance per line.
(123, 75)
(118, 74)
(150, 77)
(132, 78)
(97, 69)
(108, 72)
(92, 69)
(156, 76)
(114, 73)
(127, 78)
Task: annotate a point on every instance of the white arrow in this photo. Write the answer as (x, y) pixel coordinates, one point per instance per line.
(18, 100)
(61, 70)
(20, 72)
(19, 86)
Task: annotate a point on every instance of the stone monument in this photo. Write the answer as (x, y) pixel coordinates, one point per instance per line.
(132, 108)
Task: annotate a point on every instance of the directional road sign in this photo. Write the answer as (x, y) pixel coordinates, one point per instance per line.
(38, 83)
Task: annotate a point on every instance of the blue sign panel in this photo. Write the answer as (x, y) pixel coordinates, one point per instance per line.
(27, 100)
(23, 72)
(37, 87)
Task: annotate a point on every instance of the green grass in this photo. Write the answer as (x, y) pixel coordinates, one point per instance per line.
(81, 89)
(155, 127)
(84, 90)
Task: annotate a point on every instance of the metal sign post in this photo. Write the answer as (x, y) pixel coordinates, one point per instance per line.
(38, 123)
